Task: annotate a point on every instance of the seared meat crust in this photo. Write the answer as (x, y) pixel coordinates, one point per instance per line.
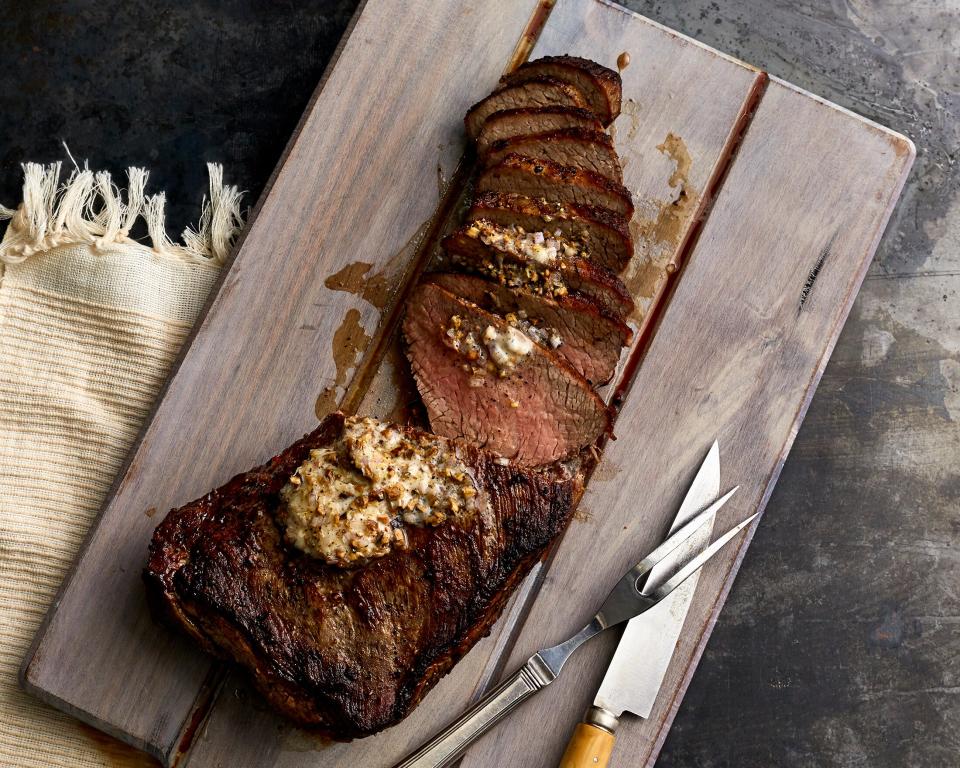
(601, 87)
(348, 652)
(555, 182)
(578, 147)
(533, 92)
(508, 123)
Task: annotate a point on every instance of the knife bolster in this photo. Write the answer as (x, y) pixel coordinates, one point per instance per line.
(602, 718)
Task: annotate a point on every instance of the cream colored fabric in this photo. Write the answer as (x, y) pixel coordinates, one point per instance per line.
(90, 322)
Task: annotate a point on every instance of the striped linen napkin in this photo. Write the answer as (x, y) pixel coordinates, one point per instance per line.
(90, 323)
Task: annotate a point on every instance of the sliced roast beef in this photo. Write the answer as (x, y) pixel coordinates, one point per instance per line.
(551, 267)
(483, 380)
(579, 147)
(555, 182)
(602, 87)
(532, 92)
(350, 651)
(575, 327)
(605, 234)
(508, 123)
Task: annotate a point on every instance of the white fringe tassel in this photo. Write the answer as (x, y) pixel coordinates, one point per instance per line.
(89, 209)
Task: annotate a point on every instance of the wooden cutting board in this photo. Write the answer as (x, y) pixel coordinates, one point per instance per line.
(759, 209)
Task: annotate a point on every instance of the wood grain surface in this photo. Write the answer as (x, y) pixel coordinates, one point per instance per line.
(702, 108)
(302, 321)
(359, 180)
(737, 356)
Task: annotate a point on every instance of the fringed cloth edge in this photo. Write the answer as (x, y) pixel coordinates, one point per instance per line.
(90, 209)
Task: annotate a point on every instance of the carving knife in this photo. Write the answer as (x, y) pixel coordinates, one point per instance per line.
(640, 663)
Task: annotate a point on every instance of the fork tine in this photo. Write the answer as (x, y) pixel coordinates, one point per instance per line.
(680, 536)
(698, 562)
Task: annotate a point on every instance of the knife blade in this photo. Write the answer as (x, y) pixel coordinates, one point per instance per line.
(633, 679)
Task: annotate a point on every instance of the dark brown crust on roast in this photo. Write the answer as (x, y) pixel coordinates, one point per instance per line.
(531, 92)
(555, 182)
(579, 147)
(519, 122)
(348, 652)
(604, 233)
(599, 284)
(581, 274)
(592, 336)
(542, 412)
(601, 86)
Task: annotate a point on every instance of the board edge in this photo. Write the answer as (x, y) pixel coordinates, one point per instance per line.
(893, 198)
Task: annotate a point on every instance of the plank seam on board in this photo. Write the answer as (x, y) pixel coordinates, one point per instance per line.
(494, 671)
(689, 242)
(390, 319)
(206, 699)
(530, 34)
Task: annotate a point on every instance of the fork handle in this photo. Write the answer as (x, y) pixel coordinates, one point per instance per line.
(449, 744)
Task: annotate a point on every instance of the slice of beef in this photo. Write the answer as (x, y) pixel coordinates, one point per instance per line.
(602, 87)
(605, 234)
(552, 278)
(508, 123)
(579, 147)
(555, 182)
(532, 92)
(590, 338)
(349, 652)
(537, 412)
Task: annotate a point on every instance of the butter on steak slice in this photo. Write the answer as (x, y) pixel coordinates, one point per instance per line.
(537, 262)
(578, 329)
(351, 651)
(605, 235)
(486, 382)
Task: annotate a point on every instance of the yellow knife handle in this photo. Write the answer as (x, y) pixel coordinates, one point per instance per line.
(589, 747)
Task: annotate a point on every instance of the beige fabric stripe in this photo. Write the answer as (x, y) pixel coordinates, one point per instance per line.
(92, 311)
(123, 280)
(81, 361)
